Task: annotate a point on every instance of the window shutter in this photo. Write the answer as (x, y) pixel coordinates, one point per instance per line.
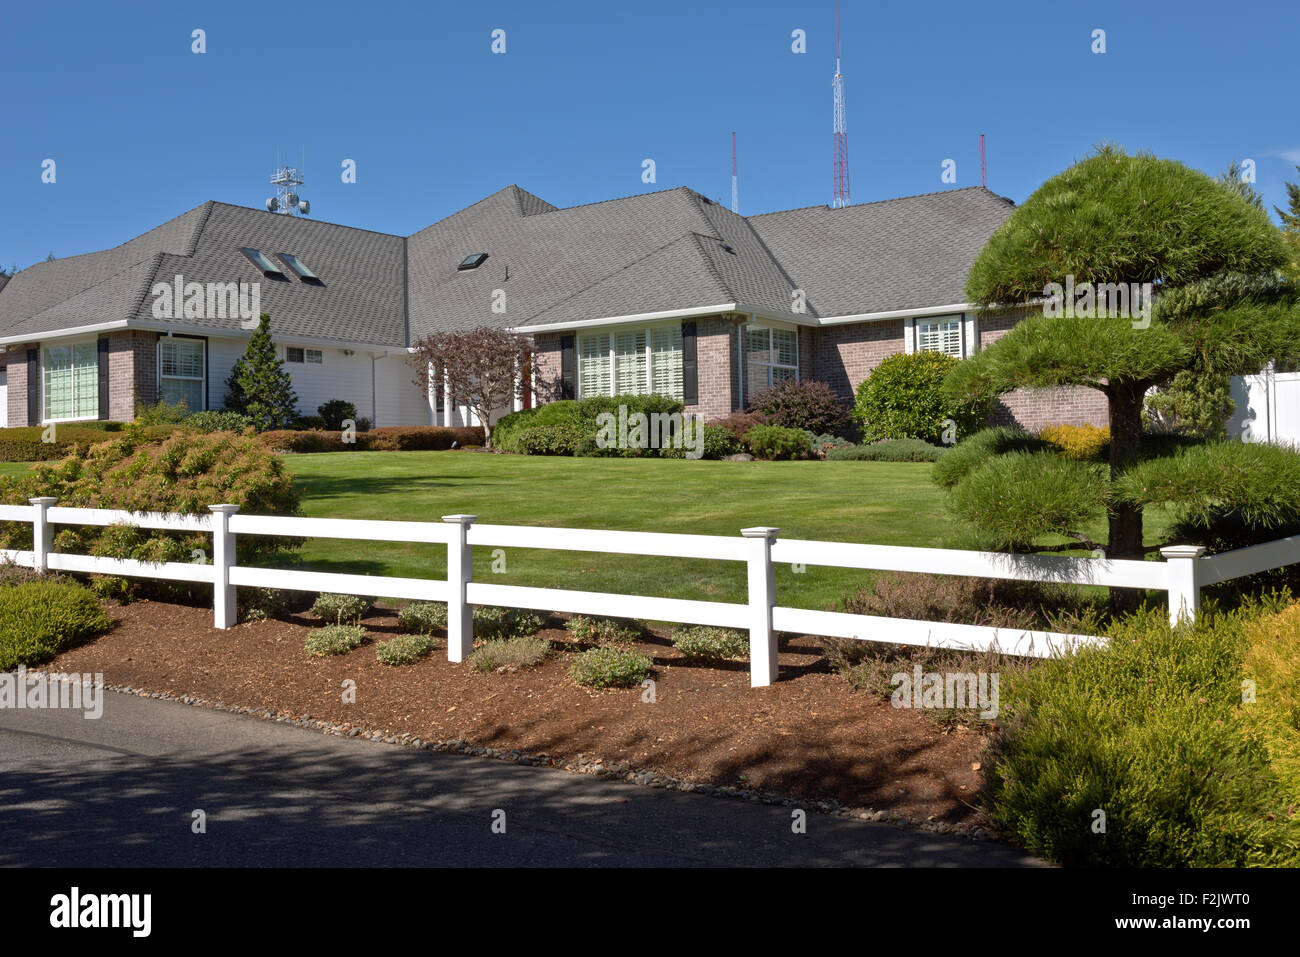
(103, 377)
(909, 335)
(33, 387)
(690, 373)
(968, 324)
(568, 369)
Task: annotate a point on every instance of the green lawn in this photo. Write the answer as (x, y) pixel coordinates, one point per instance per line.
(877, 502)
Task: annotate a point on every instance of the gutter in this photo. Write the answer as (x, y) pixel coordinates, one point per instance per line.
(172, 327)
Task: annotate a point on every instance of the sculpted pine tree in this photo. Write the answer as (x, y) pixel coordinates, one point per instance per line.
(1221, 306)
(259, 386)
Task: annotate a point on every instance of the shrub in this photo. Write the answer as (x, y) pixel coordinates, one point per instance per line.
(292, 440)
(739, 423)
(579, 419)
(889, 450)
(1147, 728)
(423, 617)
(718, 443)
(801, 404)
(603, 631)
(308, 423)
(775, 442)
(977, 449)
(507, 429)
(260, 604)
(404, 649)
(39, 619)
(161, 413)
(27, 444)
(417, 438)
(902, 399)
(491, 622)
(334, 640)
(706, 643)
(1080, 442)
(217, 421)
(1272, 662)
(335, 412)
(259, 386)
(509, 654)
(548, 440)
(610, 668)
(1051, 494)
(340, 609)
(824, 445)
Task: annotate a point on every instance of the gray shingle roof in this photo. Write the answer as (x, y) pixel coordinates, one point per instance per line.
(651, 252)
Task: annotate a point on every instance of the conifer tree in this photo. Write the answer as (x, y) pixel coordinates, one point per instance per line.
(258, 385)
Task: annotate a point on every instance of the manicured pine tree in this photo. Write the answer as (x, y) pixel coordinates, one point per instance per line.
(1291, 225)
(259, 386)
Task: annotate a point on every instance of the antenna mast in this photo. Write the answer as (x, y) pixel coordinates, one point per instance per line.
(984, 180)
(839, 131)
(286, 181)
(735, 194)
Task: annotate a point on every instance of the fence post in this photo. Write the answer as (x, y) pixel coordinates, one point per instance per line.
(1184, 589)
(762, 596)
(224, 610)
(42, 534)
(460, 572)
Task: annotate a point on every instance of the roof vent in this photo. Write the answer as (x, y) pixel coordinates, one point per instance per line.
(472, 261)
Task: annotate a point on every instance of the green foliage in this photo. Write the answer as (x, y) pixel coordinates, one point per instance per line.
(27, 443)
(161, 413)
(423, 617)
(800, 404)
(39, 619)
(718, 443)
(341, 609)
(262, 604)
(509, 654)
(218, 420)
(334, 640)
(706, 643)
(1272, 663)
(1194, 403)
(1149, 730)
(610, 668)
(258, 385)
(335, 412)
(824, 445)
(577, 419)
(774, 442)
(413, 438)
(603, 631)
(491, 622)
(404, 649)
(977, 449)
(902, 399)
(889, 450)
(547, 440)
(1014, 498)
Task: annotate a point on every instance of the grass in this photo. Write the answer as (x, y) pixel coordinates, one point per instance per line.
(889, 503)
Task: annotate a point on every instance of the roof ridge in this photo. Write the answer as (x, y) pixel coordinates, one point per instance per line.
(881, 202)
(198, 230)
(300, 219)
(148, 283)
(779, 265)
(107, 279)
(708, 262)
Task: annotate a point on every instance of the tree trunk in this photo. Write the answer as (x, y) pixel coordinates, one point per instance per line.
(1125, 540)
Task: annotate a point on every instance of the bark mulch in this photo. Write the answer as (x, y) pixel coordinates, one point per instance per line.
(809, 736)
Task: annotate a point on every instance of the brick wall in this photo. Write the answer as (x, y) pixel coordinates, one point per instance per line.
(547, 373)
(17, 385)
(843, 356)
(717, 367)
(132, 372)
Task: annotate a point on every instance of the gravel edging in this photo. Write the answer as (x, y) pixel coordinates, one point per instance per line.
(581, 765)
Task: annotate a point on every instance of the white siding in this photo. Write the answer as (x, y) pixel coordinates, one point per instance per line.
(400, 400)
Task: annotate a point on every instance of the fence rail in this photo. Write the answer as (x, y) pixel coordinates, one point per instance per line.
(1182, 574)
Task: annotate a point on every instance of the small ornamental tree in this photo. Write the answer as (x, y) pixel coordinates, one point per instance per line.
(258, 385)
(801, 404)
(1221, 308)
(483, 368)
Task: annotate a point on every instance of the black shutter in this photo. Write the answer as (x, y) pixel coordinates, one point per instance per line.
(690, 368)
(103, 377)
(568, 368)
(33, 387)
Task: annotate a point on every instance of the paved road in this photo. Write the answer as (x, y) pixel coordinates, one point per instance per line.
(120, 792)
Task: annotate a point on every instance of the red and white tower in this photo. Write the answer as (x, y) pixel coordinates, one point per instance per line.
(840, 131)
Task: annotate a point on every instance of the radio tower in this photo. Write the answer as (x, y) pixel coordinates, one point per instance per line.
(840, 133)
(735, 195)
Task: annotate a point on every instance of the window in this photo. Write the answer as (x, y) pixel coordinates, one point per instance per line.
(182, 372)
(940, 335)
(472, 261)
(262, 262)
(631, 362)
(299, 354)
(70, 383)
(770, 356)
(299, 268)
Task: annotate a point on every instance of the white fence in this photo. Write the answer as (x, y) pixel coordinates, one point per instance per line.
(1182, 574)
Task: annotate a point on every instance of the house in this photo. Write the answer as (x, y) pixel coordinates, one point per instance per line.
(663, 292)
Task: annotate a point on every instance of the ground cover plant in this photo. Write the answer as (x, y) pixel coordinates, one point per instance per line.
(404, 649)
(608, 667)
(587, 630)
(334, 640)
(39, 619)
(707, 643)
(509, 654)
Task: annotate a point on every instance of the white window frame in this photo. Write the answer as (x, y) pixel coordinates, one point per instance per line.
(611, 337)
(202, 379)
(307, 353)
(72, 344)
(967, 334)
(772, 353)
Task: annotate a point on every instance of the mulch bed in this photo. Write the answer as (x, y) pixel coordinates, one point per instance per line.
(808, 736)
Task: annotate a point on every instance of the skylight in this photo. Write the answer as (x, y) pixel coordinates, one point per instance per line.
(472, 261)
(262, 262)
(299, 267)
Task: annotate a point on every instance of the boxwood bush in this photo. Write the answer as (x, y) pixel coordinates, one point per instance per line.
(548, 440)
(901, 399)
(218, 420)
(578, 418)
(610, 668)
(39, 619)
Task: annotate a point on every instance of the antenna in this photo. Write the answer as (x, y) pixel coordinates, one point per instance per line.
(735, 195)
(984, 179)
(286, 181)
(839, 133)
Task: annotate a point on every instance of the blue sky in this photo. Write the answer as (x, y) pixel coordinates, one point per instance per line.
(142, 129)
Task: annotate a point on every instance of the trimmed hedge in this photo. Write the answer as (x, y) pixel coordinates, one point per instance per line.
(39, 619)
(406, 438)
(776, 442)
(890, 450)
(580, 416)
(27, 443)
